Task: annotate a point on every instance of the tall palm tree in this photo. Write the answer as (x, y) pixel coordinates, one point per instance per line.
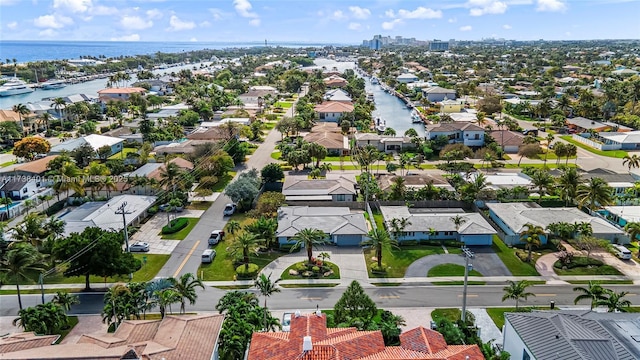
(309, 238)
(45, 118)
(233, 226)
(380, 240)
(266, 287)
(65, 300)
(568, 183)
(532, 237)
(69, 179)
(96, 172)
(164, 298)
(169, 176)
(6, 201)
(542, 180)
(245, 243)
(516, 291)
(185, 286)
(633, 229)
(550, 138)
(458, 221)
(632, 161)
(593, 292)
(595, 193)
(19, 262)
(614, 301)
(21, 109)
(59, 104)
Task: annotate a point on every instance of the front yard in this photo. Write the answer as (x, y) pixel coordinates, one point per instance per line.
(609, 153)
(511, 261)
(397, 260)
(180, 235)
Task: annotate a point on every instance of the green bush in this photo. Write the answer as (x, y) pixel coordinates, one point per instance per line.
(152, 210)
(271, 117)
(315, 269)
(57, 206)
(409, 243)
(522, 255)
(300, 267)
(245, 273)
(578, 262)
(379, 270)
(175, 225)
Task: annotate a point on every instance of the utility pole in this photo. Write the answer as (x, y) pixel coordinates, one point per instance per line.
(122, 210)
(467, 255)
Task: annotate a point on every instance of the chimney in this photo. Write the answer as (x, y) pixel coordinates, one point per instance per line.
(307, 345)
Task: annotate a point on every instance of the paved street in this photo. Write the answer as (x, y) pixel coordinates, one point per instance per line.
(150, 232)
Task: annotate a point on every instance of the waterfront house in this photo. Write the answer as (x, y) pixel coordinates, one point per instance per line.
(341, 226)
(451, 106)
(332, 188)
(388, 144)
(466, 133)
(337, 95)
(94, 140)
(119, 94)
(334, 81)
(437, 94)
(429, 224)
(332, 111)
(407, 78)
(511, 218)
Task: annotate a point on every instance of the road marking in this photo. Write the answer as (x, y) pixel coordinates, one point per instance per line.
(469, 295)
(546, 295)
(310, 298)
(390, 297)
(184, 262)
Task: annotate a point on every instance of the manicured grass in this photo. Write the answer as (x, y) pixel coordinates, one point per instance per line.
(497, 314)
(337, 158)
(122, 154)
(552, 156)
(8, 163)
(276, 155)
(379, 219)
(269, 125)
(294, 286)
(610, 282)
(180, 235)
(234, 287)
(283, 104)
(7, 291)
(336, 272)
(458, 283)
(398, 259)
(452, 314)
(223, 182)
(609, 153)
(591, 269)
(385, 284)
(450, 270)
(73, 321)
(199, 205)
(511, 261)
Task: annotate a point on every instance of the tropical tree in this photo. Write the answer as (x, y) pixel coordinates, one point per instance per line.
(21, 110)
(355, 307)
(59, 104)
(169, 176)
(458, 221)
(266, 287)
(46, 319)
(18, 264)
(593, 292)
(614, 301)
(6, 201)
(65, 300)
(633, 229)
(379, 239)
(517, 290)
(185, 287)
(233, 226)
(594, 193)
(542, 180)
(398, 225)
(632, 161)
(245, 244)
(568, 183)
(165, 298)
(531, 236)
(309, 238)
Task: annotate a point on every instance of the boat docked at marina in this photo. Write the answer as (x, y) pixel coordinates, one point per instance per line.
(381, 125)
(53, 84)
(415, 117)
(14, 86)
(375, 81)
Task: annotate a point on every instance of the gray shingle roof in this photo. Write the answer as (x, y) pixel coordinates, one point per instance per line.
(331, 220)
(475, 224)
(301, 185)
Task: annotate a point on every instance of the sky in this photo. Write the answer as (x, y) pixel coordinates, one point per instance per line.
(316, 21)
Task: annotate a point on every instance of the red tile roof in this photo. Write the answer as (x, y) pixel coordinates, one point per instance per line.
(351, 344)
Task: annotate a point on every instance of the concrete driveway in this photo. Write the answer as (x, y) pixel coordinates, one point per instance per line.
(150, 232)
(486, 262)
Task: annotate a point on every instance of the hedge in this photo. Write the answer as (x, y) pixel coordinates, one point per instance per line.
(244, 273)
(57, 206)
(175, 225)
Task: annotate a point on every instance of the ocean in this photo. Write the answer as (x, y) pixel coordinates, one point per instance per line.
(26, 51)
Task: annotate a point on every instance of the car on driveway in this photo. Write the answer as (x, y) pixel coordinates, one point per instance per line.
(215, 237)
(139, 247)
(229, 209)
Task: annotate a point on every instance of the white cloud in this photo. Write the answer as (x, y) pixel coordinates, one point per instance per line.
(355, 26)
(193, 39)
(131, 37)
(48, 33)
(175, 24)
(452, 20)
(466, 28)
(52, 21)
(75, 6)
(389, 13)
(243, 7)
(103, 10)
(420, 12)
(338, 15)
(483, 7)
(217, 14)
(506, 27)
(389, 25)
(8, 2)
(135, 23)
(359, 13)
(551, 5)
(254, 22)
(154, 14)
(12, 25)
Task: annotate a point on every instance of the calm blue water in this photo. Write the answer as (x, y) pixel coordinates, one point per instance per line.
(25, 51)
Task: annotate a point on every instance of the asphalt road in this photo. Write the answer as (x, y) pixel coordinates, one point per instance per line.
(389, 297)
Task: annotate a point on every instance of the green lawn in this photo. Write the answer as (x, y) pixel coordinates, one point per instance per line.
(223, 182)
(610, 282)
(586, 270)
(511, 261)
(379, 219)
(283, 104)
(336, 272)
(276, 155)
(457, 283)
(123, 154)
(7, 291)
(497, 314)
(294, 286)
(180, 235)
(450, 270)
(8, 163)
(609, 153)
(199, 205)
(452, 314)
(397, 260)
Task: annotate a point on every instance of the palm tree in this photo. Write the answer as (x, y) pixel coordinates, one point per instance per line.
(542, 180)
(458, 221)
(65, 300)
(21, 109)
(169, 176)
(59, 104)
(245, 243)
(633, 229)
(233, 226)
(164, 299)
(632, 161)
(185, 287)
(45, 119)
(19, 262)
(516, 291)
(596, 192)
(309, 238)
(532, 237)
(97, 171)
(69, 179)
(550, 138)
(6, 201)
(593, 291)
(568, 183)
(614, 302)
(379, 239)
(266, 287)
(398, 225)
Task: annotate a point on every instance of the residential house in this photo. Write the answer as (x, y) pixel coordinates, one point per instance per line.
(619, 182)
(342, 227)
(407, 78)
(335, 81)
(93, 140)
(169, 111)
(621, 215)
(511, 218)
(310, 339)
(466, 133)
(180, 147)
(18, 187)
(255, 97)
(333, 111)
(193, 337)
(35, 168)
(336, 143)
(414, 181)
(28, 120)
(213, 134)
(571, 335)
(509, 141)
(151, 171)
(161, 86)
(464, 116)
(332, 188)
(580, 125)
(337, 95)
(500, 180)
(620, 140)
(437, 224)
(437, 94)
(119, 94)
(452, 106)
(388, 144)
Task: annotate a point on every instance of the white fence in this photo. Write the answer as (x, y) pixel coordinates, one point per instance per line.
(596, 145)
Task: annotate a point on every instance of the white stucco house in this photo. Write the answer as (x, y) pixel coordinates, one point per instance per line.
(466, 133)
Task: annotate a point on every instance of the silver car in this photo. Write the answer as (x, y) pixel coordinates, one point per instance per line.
(139, 247)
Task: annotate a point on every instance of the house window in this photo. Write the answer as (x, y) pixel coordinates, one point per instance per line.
(24, 191)
(477, 137)
(340, 197)
(525, 355)
(321, 115)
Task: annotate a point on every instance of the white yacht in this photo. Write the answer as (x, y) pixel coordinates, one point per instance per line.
(14, 86)
(53, 84)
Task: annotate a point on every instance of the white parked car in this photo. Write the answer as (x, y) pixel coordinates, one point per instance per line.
(229, 209)
(139, 247)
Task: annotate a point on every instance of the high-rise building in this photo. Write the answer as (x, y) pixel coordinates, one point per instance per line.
(437, 45)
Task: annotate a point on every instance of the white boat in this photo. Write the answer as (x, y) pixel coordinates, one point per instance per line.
(415, 117)
(381, 125)
(53, 84)
(370, 97)
(14, 86)
(375, 81)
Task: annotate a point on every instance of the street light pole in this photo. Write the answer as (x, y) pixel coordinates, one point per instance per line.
(467, 255)
(122, 210)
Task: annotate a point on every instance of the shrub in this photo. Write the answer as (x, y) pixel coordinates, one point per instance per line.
(409, 243)
(379, 270)
(104, 129)
(580, 261)
(55, 208)
(300, 267)
(245, 273)
(152, 210)
(271, 117)
(175, 225)
(522, 255)
(315, 269)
